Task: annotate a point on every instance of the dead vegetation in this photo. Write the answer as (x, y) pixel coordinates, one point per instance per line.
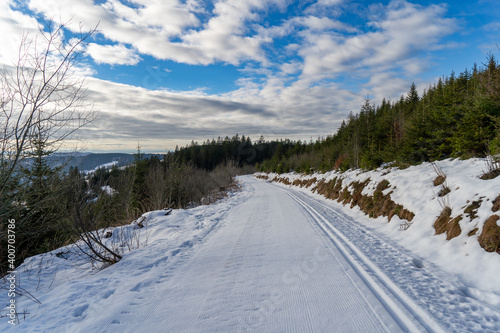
(304, 182)
(496, 204)
(454, 229)
(282, 180)
(493, 168)
(489, 239)
(440, 180)
(445, 189)
(473, 232)
(441, 176)
(329, 189)
(380, 203)
(376, 205)
(471, 210)
(219, 193)
(441, 224)
(446, 224)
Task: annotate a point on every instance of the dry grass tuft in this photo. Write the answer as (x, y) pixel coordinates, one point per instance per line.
(445, 189)
(454, 229)
(472, 232)
(490, 236)
(439, 180)
(493, 168)
(496, 204)
(471, 210)
(441, 224)
(383, 185)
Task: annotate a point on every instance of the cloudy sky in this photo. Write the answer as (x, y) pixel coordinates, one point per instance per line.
(165, 72)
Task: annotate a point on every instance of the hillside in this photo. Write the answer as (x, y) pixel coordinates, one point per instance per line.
(90, 161)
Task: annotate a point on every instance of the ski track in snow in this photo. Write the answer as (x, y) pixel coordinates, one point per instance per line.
(406, 276)
(268, 259)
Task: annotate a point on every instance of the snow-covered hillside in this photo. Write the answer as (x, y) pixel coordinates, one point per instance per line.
(268, 259)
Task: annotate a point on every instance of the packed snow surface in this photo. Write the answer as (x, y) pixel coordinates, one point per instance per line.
(266, 259)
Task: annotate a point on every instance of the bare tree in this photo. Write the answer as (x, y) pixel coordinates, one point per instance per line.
(42, 97)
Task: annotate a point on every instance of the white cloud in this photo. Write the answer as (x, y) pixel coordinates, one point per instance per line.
(13, 25)
(170, 30)
(112, 54)
(22, 33)
(329, 2)
(385, 85)
(404, 32)
(130, 114)
(492, 27)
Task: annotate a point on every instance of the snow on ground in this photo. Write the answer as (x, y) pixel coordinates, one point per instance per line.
(102, 166)
(265, 259)
(69, 286)
(108, 190)
(413, 188)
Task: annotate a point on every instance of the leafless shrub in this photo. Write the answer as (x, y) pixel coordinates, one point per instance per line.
(440, 180)
(441, 176)
(492, 167)
(405, 225)
(87, 217)
(158, 188)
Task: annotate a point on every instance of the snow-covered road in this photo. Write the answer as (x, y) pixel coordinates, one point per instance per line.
(273, 266)
(269, 259)
(269, 269)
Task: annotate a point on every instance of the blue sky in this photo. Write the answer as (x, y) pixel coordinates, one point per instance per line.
(167, 72)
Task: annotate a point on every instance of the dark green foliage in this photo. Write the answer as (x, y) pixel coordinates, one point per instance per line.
(241, 151)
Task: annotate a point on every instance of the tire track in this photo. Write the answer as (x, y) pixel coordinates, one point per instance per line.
(409, 316)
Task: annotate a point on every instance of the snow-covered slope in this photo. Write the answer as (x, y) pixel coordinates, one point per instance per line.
(265, 259)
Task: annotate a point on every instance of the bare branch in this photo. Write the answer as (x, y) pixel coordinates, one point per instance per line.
(42, 94)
